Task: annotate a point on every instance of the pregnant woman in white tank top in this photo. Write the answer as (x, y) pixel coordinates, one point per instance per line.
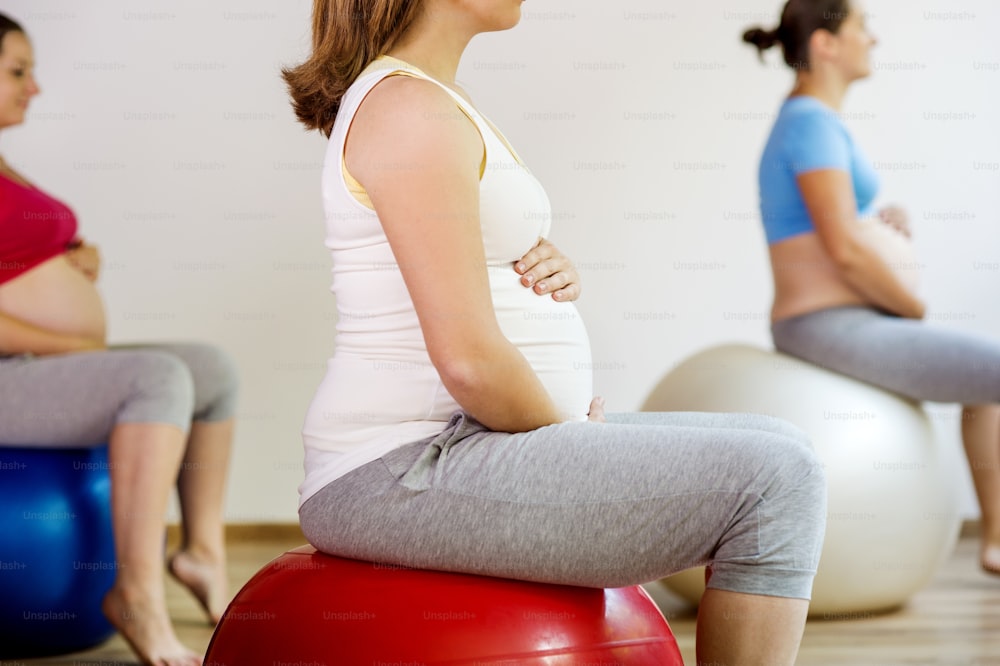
(379, 334)
(455, 427)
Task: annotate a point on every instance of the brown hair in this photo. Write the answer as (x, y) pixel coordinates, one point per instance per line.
(7, 24)
(347, 36)
(799, 20)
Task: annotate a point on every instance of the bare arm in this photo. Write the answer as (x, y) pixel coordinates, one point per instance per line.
(19, 337)
(829, 197)
(418, 157)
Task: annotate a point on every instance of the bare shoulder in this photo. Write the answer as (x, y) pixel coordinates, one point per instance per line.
(409, 104)
(397, 90)
(413, 123)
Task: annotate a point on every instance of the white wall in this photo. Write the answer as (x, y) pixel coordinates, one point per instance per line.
(166, 127)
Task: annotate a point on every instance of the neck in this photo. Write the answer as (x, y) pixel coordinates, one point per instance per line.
(828, 89)
(435, 44)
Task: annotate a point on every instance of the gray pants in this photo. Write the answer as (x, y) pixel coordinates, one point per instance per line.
(907, 356)
(597, 505)
(76, 399)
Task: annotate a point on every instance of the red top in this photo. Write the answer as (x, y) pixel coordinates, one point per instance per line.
(34, 227)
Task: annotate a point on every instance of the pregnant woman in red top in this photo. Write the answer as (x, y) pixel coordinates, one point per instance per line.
(165, 411)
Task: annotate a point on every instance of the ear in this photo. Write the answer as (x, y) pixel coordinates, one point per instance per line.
(823, 45)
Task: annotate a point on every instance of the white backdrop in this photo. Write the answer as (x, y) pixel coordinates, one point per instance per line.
(166, 127)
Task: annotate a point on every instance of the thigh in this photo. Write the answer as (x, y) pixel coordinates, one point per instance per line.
(577, 503)
(916, 359)
(213, 372)
(74, 399)
(731, 421)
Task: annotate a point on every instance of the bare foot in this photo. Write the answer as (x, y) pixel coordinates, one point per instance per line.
(206, 580)
(143, 623)
(989, 558)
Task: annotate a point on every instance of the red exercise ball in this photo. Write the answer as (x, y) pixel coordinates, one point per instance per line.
(309, 608)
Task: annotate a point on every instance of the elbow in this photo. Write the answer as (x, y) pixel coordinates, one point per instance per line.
(458, 375)
(462, 373)
(464, 360)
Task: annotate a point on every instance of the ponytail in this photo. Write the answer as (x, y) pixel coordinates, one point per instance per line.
(762, 39)
(799, 20)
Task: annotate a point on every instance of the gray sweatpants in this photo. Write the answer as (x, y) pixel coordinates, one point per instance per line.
(590, 504)
(76, 399)
(907, 356)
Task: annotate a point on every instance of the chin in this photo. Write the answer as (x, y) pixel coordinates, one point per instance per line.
(511, 19)
(863, 73)
(507, 25)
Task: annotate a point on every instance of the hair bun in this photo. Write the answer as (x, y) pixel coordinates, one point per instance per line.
(762, 39)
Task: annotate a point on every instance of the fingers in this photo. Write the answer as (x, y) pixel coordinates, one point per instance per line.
(548, 271)
(541, 270)
(596, 413)
(549, 278)
(569, 293)
(896, 218)
(542, 250)
(564, 285)
(540, 262)
(900, 225)
(86, 259)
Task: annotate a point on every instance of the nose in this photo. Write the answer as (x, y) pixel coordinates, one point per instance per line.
(33, 87)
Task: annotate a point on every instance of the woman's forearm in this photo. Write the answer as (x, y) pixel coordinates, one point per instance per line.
(20, 337)
(833, 210)
(866, 271)
(496, 385)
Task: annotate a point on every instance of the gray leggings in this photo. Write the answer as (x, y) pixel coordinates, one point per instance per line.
(76, 399)
(596, 505)
(910, 357)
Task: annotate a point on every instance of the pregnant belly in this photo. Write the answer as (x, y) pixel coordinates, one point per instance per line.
(553, 339)
(56, 297)
(895, 249)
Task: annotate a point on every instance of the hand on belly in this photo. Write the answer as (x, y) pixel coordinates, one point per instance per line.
(896, 249)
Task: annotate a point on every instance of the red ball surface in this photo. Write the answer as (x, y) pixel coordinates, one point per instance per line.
(309, 608)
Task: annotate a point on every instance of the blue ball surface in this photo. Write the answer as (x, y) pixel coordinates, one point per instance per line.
(57, 558)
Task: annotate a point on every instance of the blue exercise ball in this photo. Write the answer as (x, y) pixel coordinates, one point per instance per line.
(57, 557)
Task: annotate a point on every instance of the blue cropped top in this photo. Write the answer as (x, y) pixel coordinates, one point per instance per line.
(807, 136)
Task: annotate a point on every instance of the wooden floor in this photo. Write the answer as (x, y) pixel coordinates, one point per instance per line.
(955, 621)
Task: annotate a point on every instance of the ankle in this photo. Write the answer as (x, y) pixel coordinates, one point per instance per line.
(130, 592)
(989, 532)
(204, 553)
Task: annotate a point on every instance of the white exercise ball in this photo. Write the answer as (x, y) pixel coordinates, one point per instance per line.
(893, 512)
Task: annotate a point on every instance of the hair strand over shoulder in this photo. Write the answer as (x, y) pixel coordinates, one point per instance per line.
(347, 35)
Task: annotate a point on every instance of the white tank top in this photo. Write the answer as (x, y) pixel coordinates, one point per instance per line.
(381, 390)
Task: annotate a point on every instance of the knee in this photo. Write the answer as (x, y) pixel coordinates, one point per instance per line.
(162, 390)
(799, 487)
(798, 463)
(226, 371)
(782, 427)
(216, 379)
(217, 384)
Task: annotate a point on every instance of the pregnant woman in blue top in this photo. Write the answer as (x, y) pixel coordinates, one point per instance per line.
(844, 297)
